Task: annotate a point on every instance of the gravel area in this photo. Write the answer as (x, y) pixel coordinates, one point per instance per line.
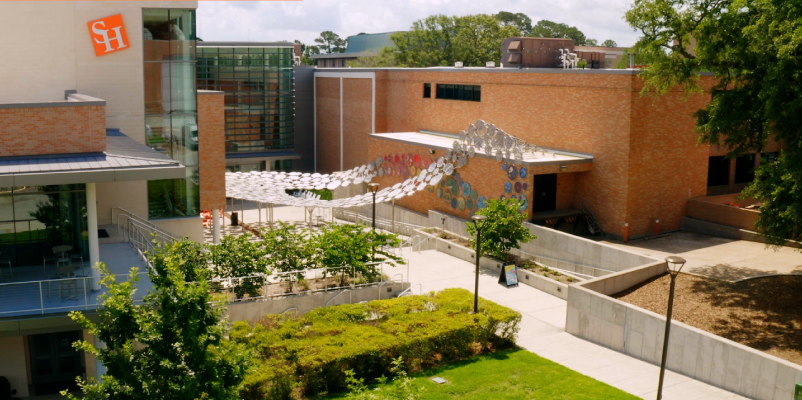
(763, 313)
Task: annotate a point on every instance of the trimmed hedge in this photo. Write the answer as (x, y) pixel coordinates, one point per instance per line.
(304, 356)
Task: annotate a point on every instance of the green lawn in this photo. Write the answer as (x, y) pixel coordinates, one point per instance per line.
(511, 374)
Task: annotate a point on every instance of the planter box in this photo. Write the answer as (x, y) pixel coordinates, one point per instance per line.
(525, 277)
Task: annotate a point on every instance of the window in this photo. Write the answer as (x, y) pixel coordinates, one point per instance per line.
(427, 90)
(745, 168)
(718, 171)
(768, 158)
(459, 92)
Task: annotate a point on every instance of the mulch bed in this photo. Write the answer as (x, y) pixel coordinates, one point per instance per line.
(763, 313)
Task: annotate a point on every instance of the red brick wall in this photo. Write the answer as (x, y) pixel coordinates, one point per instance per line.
(646, 159)
(52, 130)
(357, 120)
(211, 150)
(327, 119)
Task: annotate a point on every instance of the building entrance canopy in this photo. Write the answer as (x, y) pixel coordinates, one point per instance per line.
(480, 139)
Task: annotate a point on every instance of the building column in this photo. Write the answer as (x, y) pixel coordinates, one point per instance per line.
(100, 369)
(91, 226)
(216, 225)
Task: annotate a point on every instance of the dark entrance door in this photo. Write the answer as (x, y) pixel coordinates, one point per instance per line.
(54, 362)
(544, 197)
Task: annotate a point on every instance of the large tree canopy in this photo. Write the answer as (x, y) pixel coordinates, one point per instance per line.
(330, 42)
(441, 40)
(754, 48)
(549, 29)
(518, 20)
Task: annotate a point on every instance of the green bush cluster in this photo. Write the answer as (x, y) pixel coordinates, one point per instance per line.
(310, 354)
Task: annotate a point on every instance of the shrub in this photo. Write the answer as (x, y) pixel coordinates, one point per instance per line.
(355, 246)
(503, 229)
(238, 256)
(319, 347)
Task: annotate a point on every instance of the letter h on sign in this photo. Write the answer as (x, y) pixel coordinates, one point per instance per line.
(108, 34)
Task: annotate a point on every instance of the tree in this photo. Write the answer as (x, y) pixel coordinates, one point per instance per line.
(440, 40)
(503, 229)
(518, 20)
(239, 256)
(356, 246)
(549, 29)
(753, 48)
(609, 43)
(384, 59)
(170, 347)
(288, 251)
(306, 51)
(330, 42)
(591, 42)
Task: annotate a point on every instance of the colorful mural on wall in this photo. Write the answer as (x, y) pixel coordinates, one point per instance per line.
(516, 189)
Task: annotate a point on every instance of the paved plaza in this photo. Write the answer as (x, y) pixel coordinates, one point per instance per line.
(718, 258)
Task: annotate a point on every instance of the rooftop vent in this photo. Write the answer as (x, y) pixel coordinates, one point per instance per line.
(490, 64)
(458, 64)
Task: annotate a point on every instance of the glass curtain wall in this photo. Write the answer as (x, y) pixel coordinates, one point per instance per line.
(258, 85)
(34, 219)
(171, 108)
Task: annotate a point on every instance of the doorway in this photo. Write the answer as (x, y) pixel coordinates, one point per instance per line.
(54, 362)
(544, 196)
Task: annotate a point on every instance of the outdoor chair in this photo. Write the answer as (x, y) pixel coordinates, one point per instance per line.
(46, 258)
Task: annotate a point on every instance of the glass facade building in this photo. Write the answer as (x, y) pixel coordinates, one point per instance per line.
(257, 79)
(34, 219)
(171, 108)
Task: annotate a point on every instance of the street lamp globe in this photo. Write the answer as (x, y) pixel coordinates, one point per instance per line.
(373, 187)
(674, 264)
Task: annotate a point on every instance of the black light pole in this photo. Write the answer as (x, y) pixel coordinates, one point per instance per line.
(478, 223)
(373, 188)
(674, 265)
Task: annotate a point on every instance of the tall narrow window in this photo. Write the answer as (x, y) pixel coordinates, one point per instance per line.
(745, 168)
(427, 90)
(718, 171)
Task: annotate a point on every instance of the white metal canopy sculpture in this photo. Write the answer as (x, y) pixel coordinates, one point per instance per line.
(270, 187)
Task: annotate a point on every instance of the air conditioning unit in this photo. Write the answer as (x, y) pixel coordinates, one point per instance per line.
(490, 64)
(458, 64)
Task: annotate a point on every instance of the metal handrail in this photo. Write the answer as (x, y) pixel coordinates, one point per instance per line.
(290, 309)
(338, 295)
(132, 216)
(391, 280)
(409, 290)
(405, 228)
(141, 233)
(421, 239)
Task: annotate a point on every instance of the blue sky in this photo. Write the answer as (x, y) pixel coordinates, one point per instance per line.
(304, 20)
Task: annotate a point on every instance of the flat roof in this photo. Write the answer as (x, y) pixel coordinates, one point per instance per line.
(341, 55)
(245, 44)
(125, 159)
(445, 141)
(496, 70)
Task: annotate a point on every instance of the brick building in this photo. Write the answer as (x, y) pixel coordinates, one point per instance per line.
(627, 158)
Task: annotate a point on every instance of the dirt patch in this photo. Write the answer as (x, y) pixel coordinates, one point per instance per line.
(449, 236)
(764, 313)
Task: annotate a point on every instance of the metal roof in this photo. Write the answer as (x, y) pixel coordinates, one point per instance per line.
(124, 160)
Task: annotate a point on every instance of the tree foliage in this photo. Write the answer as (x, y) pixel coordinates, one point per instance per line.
(330, 42)
(356, 246)
(754, 49)
(609, 43)
(441, 40)
(384, 59)
(518, 20)
(170, 347)
(548, 29)
(503, 230)
(306, 52)
(288, 250)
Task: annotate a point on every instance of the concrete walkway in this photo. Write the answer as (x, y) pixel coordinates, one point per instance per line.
(543, 330)
(718, 258)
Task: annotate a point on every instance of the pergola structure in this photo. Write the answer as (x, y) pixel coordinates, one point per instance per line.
(271, 187)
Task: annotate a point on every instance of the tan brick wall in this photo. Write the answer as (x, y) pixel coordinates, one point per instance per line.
(646, 159)
(357, 120)
(212, 150)
(52, 130)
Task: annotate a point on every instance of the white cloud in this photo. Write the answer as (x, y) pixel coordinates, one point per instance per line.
(304, 20)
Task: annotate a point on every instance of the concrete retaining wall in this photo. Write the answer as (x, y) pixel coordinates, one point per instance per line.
(559, 249)
(594, 316)
(715, 209)
(709, 228)
(547, 285)
(253, 310)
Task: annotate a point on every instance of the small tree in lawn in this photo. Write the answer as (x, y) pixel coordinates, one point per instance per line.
(170, 347)
(503, 229)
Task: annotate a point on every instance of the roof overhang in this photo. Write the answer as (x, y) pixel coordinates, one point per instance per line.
(124, 160)
(445, 141)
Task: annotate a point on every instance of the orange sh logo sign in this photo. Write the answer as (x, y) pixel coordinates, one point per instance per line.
(108, 34)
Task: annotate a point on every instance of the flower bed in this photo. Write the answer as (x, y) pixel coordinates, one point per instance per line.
(304, 356)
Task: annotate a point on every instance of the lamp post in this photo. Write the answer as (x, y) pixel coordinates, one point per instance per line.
(373, 188)
(674, 265)
(478, 223)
